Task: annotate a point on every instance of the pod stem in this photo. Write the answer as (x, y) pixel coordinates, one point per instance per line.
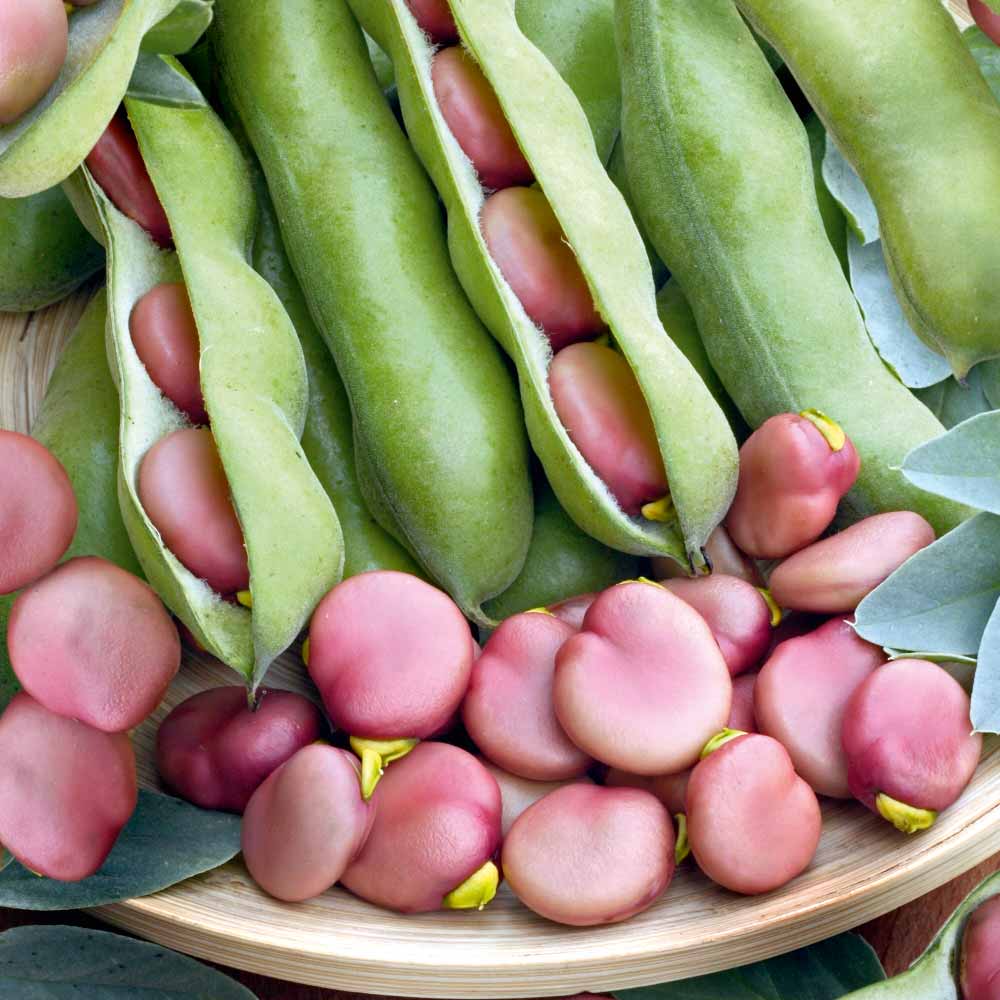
(682, 846)
(772, 606)
(661, 510)
(376, 756)
(476, 891)
(830, 429)
(905, 818)
(720, 739)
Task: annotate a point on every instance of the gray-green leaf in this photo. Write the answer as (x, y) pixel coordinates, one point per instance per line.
(157, 81)
(74, 963)
(850, 193)
(166, 841)
(951, 402)
(986, 690)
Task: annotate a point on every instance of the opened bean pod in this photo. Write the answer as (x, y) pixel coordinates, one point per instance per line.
(59, 86)
(438, 433)
(555, 264)
(234, 507)
(741, 229)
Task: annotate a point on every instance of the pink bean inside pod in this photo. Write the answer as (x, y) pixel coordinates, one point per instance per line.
(527, 243)
(214, 750)
(166, 339)
(833, 576)
(436, 832)
(435, 19)
(92, 642)
(473, 113)
(979, 968)
(517, 793)
(643, 686)
(600, 404)
(988, 21)
(573, 610)
(793, 471)
(723, 556)
(306, 823)
(586, 855)
(66, 790)
(34, 36)
(38, 511)
(909, 743)
(802, 694)
(753, 824)
(391, 656)
(184, 490)
(508, 708)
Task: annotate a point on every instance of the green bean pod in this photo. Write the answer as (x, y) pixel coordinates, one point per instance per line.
(720, 167)
(44, 251)
(696, 444)
(49, 142)
(929, 157)
(440, 446)
(253, 379)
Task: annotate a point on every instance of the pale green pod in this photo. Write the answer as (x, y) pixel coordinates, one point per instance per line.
(720, 167)
(929, 157)
(696, 444)
(50, 141)
(253, 380)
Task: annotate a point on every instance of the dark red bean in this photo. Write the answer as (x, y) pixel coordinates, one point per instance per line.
(214, 751)
(435, 18)
(723, 556)
(979, 968)
(33, 41)
(38, 511)
(988, 20)
(573, 609)
(909, 742)
(117, 166)
(517, 793)
(66, 790)
(306, 823)
(793, 471)
(587, 855)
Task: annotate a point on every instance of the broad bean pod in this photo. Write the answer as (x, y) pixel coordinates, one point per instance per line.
(694, 440)
(743, 232)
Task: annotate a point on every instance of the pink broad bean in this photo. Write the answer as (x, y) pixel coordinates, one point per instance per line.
(794, 469)
(435, 19)
(517, 793)
(979, 964)
(723, 556)
(573, 609)
(34, 37)
(909, 743)
(215, 750)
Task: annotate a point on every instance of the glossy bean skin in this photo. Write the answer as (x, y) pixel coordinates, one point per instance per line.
(65, 793)
(979, 967)
(165, 337)
(791, 480)
(832, 576)
(306, 823)
(802, 694)
(753, 824)
(987, 19)
(517, 793)
(33, 40)
(777, 316)
(508, 708)
(573, 610)
(907, 735)
(586, 855)
(93, 642)
(643, 686)
(735, 611)
(936, 115)
(723, 556)
(435, 17)
(38, 511)
(215, 751)
(184, 490)
(600, 404)
(437, 821)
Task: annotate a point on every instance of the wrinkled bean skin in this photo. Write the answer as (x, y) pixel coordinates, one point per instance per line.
(988, 21)
(643, 686)
(166, 339)
(734, 610)
(791, 481)
(508, 708)
(391, 656)
(214, 751)
(437, 821)
(305, 824)
(117, 166)
(802, 694)
(517, 793)
(66, 790)
(907, 735)
(183, 489)
(980, 962)
(586, 855)
(476, 120)
(600, 404)
(753, 823)
(435, 18)
(832, 576)
(93, 642)
(34, 35)
(528, 245)
(38, 511)
(723, 557)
